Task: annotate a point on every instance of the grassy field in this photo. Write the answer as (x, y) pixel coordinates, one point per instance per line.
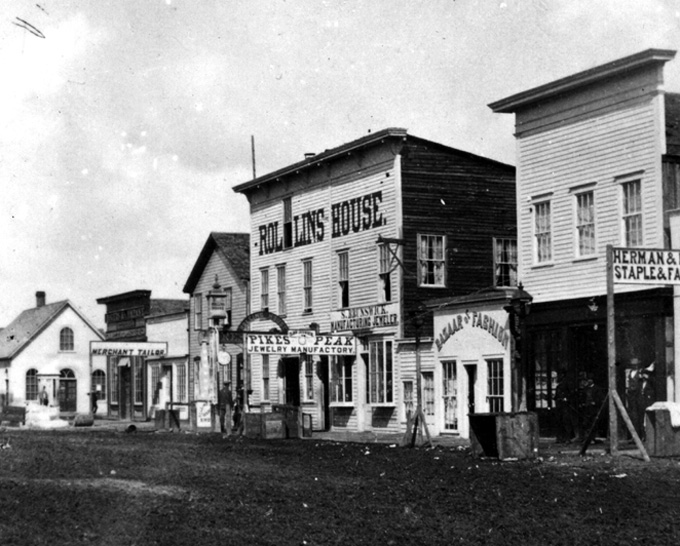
(82, 486)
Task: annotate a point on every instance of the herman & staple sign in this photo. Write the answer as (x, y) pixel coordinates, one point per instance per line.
(646, 266)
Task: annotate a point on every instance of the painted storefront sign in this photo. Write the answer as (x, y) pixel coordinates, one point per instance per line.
(368, 317)
(123, 348)
(300, 344)
(646, 266)
(474, 319)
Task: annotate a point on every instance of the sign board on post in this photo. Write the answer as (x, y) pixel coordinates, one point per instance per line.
(300, 344)
(645, 266)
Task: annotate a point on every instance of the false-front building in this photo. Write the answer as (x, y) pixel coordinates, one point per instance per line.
(345, 248)
(598, 165)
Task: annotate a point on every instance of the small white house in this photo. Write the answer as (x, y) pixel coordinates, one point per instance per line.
(46, 350)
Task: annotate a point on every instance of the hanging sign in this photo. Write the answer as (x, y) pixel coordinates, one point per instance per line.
(300, 344)
(645, 266)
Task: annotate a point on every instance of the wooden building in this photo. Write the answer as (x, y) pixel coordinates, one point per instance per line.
(598, 165)
(46, 348)
(351, 242)
(128, 389)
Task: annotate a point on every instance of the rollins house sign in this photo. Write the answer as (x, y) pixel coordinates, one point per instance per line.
(645, 266)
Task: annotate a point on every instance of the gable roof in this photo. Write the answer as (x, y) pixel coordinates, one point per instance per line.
(31, 322)
(234, 248)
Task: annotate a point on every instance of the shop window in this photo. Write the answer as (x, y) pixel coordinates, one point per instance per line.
(341, 379)
(408, 398)
(281, 288)
(385, 273)
(542, 233)
(343, 279)
(380, 372)
(198, 311)
(585, 224)
(265, 377)
(264, 289)
(32, 384)
(495, 384)
(632, 213)
(66, 339)
(450, 395)
(307, 286)
(138, 367)
(99, 384)
(155, 385)
(182, 387)
(431, 262)
(309, 377)
(505, 262)
(114, 379)
(428, 393)
(287, 223)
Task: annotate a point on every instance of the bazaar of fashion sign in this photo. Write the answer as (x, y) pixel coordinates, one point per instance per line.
(473, 320)
(299, 344)
(645, 266)
(123, 348)
(360, 318)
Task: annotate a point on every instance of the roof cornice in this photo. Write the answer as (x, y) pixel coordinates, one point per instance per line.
(648, 57)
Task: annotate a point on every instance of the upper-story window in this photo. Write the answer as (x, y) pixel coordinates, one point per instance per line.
(632, 212)
(198, 311)
(431, 262)
(66, 339)
(281, 288)
(307, 286)
(505, 262)
(343, 278)
(542, 232)
(384, 273)
(287, 223)
(264, 289)
(228, 304)
(585, 224)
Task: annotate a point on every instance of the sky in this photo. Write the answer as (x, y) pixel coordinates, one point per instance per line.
(125, 124)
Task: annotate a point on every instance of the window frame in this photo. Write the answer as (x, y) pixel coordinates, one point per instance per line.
(385, 273)
(228, 303)
(66, 340)
(341, 379)
(308, 371)
(343, 279)
(381, 373)
(307, 286)
(581, 224)
(287, 236)
(495, 384)
(627, 214)
(264, 289)
(423, 261)
(538, 243)
(101, 394)
(281, 288)
(198, 311)
(33, 384)
(500, 243)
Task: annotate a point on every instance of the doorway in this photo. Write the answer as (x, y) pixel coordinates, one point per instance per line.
(471, 370)
(450, 395)
(67, 391)
(428, 398)
(291, 379)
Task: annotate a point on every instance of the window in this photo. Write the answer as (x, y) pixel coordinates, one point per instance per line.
(264, 289)
(408, 398)
(99, 383)
(450, 395)
(431, 264)
(155, 386)
(428, 393)
(198, 311)
(384, 274)
(505, 262)
(307, 286)
(287, 223)
(137, 363)
(341, 379)
(281, 288)
(632, 213)
(585, 224)
(495, 384)
(66, 339)
(227, 304)
(181, 382)
(380, 372)
(343, 279)
(114, 379)
(542, 233)
(309, 377)
(265, 377)
(32, 384)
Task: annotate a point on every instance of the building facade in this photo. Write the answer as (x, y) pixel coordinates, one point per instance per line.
(597, 166)
(46, 349)
(347, 245)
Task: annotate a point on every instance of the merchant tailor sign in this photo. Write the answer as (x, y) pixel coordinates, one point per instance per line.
(123, 348)
(645, 266)
(300, 344)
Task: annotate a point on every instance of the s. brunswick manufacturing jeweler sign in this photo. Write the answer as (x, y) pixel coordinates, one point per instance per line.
(646, 266)
(360, 318)
(300, 344)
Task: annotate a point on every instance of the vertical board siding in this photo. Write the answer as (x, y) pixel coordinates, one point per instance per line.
(597, 150)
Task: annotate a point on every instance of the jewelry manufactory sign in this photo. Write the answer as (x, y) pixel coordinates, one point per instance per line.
(645, 266)
(300, 344)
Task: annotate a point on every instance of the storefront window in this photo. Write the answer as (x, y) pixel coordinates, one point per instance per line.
(341, 379)
(181, 382)
(139, 383)
(99, 383)
(408, 398)
(309, 378)
(380, 372)
(113, 392)
(495, 384)
(450, 393)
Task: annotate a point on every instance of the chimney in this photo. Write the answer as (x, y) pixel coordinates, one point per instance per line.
(40, 299)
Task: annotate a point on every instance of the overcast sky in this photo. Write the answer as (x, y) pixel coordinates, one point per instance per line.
(124, 124)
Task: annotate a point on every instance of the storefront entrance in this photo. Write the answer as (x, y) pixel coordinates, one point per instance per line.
(68, 388)
(291, 377)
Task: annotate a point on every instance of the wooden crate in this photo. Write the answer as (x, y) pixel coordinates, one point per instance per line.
(504, 435)
(13, 416)
(661, 438)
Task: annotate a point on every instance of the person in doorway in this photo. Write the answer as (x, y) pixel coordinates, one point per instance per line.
(224, 403)
(44, 397)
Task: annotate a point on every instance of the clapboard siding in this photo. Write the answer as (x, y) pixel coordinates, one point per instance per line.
(599, 150)
(468, 199)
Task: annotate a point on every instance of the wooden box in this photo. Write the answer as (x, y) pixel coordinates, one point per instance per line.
(504, 435)
(661, 438)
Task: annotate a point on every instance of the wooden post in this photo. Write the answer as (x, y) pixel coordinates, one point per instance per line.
(611, 355)
(418, 420)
